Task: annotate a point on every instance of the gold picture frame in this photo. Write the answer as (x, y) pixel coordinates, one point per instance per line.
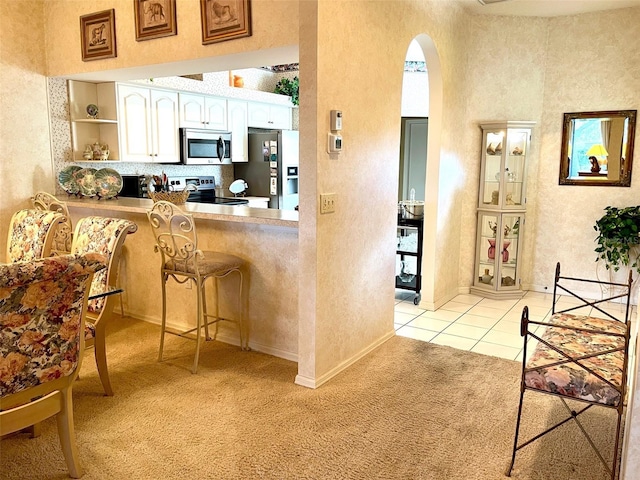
(155, 19)
(98, 35)
(225, 20)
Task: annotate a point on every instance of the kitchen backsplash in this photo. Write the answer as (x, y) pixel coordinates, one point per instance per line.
(212, 83)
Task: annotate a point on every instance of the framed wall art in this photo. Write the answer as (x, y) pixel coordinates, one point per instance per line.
(224, 20)
(98, 35)
(155, 18)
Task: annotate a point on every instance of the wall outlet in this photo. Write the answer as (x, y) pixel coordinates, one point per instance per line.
(327, 202)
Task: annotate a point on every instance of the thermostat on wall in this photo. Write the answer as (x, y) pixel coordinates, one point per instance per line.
(336, 120)
(335, 143)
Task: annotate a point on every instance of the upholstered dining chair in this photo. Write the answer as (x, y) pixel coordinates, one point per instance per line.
(31, 234)
(106, 236)
(181, 259)
(64, 232)
(42, 313)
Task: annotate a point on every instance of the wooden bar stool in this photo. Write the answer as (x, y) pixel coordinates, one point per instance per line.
(177, 242)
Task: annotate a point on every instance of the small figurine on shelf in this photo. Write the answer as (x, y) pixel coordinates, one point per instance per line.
(97, 151)
(104, 153)
(595, 166)
(88, 152)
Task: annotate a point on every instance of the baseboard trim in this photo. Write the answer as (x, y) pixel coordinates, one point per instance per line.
(316, 382)
(231, 340)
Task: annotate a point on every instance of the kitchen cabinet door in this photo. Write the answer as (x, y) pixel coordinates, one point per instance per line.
(263, 115)
(134, 115)
(203, 111)
(164, 125)
(148, 124)
(238, 116)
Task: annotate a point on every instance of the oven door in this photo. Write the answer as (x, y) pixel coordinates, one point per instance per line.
(204, 147)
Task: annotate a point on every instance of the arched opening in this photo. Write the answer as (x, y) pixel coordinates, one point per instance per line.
(420, 158)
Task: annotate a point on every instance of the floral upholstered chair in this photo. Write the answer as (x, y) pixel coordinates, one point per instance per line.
(31, 234)
(64, 232)
(42, 309)
(106, 236)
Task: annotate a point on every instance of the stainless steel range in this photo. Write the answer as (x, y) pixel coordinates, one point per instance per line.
(205, 191)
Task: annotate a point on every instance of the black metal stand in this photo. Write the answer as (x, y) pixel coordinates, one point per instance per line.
(411, 282)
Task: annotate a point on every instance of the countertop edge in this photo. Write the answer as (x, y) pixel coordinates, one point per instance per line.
(239, 213)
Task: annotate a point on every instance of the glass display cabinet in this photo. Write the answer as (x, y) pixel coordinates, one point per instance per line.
(501, 209)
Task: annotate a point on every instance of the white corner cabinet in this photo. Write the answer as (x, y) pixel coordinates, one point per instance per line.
(501, 209)
(140, 123)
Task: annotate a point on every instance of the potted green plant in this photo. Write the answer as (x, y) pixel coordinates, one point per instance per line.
(619, 238)
(289, 87)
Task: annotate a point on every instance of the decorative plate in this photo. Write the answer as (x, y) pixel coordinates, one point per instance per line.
(108, 183)
(86, 180)
(67, 179)
(92, 110)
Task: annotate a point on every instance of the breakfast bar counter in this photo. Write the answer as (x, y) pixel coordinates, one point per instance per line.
(267, 239)
(236, 213)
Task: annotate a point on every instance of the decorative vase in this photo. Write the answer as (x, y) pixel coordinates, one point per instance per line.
(505, 252)
(486, 278)
(491, 253)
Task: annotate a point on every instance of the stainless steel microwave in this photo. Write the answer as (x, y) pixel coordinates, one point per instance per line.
(204, 147)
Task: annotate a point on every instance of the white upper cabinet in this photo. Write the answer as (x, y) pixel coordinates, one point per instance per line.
(203, 111)
(264, 115)
(148, 121)
(237, 114)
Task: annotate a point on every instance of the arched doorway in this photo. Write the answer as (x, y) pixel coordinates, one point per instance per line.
(423, 115)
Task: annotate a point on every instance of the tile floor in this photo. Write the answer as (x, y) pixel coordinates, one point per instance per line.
(478, 324)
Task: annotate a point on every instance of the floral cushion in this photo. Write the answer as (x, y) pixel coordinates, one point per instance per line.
(40, 311)
(569, 379)
(100, 235)
(28, 233)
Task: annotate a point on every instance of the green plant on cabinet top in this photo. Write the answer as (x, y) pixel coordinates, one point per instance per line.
(289, 87)
(619, 238)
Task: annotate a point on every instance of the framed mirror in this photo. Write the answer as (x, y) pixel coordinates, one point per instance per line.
(597, 148)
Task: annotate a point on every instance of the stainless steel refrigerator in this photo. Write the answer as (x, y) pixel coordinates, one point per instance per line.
(272, 169)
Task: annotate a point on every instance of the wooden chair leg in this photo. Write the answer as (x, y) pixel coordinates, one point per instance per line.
(35, 430)
(67, 435)
(101, 362)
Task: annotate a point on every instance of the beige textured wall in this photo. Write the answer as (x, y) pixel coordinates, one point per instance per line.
(25, 152)
(275, 23)
(506, 84)
(593, 64)
(350, 269)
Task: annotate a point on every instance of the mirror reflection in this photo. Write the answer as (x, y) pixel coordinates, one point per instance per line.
(597, 148)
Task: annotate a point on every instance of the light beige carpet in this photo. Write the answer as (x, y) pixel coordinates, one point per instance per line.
(409, 410)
